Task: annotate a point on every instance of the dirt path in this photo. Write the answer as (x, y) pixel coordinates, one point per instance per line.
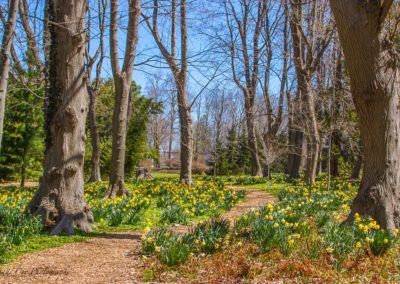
(110, 258)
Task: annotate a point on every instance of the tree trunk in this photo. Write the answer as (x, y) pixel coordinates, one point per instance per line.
(355, 173)
(334, 171)
(60, 199)
(310, 124)
(313, 148)
(23, 167)
(94, 135)
(375, 84)
(256, 169)
(185, 119)
(122, 84)
(5, 60)
(296, 150)
(266, 170)
(120, 117)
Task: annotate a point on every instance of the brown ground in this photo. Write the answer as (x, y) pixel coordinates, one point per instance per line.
(110, 258)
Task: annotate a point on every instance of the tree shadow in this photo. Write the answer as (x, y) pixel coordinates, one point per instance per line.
(121, 236)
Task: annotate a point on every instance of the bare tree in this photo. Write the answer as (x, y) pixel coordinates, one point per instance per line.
(308, 48)
(271, 146)
(367, 37)
(33, 48)
(248, 56)
(60, 199)
(93, 88)
(5, 59)
(179, 72)
(122, 83)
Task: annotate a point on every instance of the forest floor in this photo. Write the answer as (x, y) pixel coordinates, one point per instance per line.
(106, 258)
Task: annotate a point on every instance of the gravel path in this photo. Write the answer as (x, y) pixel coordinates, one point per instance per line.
(110, 258)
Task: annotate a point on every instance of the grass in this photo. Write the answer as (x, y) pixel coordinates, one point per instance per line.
(41, 242)
(272, 189)
(171, 174)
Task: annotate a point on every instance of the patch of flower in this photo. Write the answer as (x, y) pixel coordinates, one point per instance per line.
(305, 221)
(171, 248)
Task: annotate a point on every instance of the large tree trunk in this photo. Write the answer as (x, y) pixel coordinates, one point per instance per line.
(5, 60)
(375, 84)
(60, 199)
(94, 137)
(185, 119)
(120, 122)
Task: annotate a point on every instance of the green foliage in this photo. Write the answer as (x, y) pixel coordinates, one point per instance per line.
(15, 227)
(306, 218)
(21, 151)
(206, 237)
(170, 248)
(137, 148)
(233, 158)
(174, 215)
(140, 110)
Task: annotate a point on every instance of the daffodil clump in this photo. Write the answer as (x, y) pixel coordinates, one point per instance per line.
(179, 202)
(118, 210)
(15, 227)
(249, 180)
(206, 238)
(308, 220)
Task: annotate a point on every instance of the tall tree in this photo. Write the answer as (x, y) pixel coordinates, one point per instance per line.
(5, 59)
(179, 72)
(60, 199)
(309, 46)
(93, 88)
(248, 56)
(122, 83)
(274, 121)
(372, 61)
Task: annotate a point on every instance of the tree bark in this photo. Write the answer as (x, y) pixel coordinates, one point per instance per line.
(120, 121)
(60, 199)
(94, 136)
(5, 60)
(355, 173)
(256, 169)
(296, 149)
(185, 120)
(375, 83)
